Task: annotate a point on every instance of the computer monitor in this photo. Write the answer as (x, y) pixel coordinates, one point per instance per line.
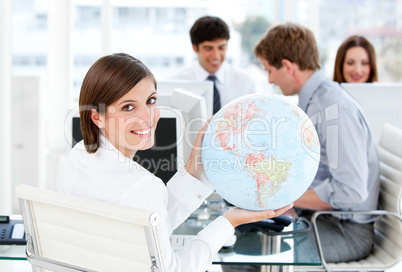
(164, 159)
(380, 102)
(72, 128)
(201, 88)
(195, 115)
(179, 93)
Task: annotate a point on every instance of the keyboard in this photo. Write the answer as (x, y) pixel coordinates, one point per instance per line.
(178, 241)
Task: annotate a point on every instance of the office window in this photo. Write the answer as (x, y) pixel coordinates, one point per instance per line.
(31, 61)
(130, 17)
(87, 17)
(21, 60)
(41, 21)
(179, 61)
(40, 60)
(22, 6)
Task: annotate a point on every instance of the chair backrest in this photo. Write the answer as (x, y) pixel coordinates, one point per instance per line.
(91, 234)
(390, 155)
(388, 244)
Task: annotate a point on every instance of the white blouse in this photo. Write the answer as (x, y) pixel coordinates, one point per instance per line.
(109, 176)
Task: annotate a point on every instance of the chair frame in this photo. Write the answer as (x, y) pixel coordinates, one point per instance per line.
(393, 212)
(37, 261)
(326, 265)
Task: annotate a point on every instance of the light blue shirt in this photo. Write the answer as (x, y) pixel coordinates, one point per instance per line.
(348, 174)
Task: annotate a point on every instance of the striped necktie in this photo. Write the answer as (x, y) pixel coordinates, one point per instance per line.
(217, 98)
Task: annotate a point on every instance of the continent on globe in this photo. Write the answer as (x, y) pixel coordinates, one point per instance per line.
(233, 122)
(260, 152)
(269, 173)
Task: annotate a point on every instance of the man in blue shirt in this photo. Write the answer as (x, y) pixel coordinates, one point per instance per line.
(348, 174)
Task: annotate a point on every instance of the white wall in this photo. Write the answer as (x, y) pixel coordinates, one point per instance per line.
(56, 101)
(26, 132)
(5, 115)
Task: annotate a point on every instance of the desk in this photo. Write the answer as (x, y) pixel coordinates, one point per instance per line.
(12, 252)
(12, 258)
(272, 252)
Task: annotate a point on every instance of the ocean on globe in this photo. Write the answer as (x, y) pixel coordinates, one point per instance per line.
(260, 152)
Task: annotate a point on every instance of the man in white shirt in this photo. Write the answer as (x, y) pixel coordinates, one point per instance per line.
(209, 37)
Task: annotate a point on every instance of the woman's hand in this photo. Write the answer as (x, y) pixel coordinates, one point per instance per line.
(194, 165)
(237, 216)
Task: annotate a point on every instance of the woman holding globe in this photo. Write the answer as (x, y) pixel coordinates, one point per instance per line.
(119, 115)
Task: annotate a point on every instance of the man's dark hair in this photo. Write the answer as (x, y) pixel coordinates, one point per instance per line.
(209, 28)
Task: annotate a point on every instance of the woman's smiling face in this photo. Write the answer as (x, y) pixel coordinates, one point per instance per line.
(130, 122)
(356, 67)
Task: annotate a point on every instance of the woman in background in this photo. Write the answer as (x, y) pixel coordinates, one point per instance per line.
(119, 115)
(355, 61)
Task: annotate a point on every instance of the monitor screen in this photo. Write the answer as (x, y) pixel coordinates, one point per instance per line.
(161, 160)
(166, 156)
(194, 99)
(76, 131)
(194, 113)
(380, 102)
(200, 88)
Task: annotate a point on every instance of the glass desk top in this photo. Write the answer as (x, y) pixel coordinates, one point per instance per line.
(293, 247)
(12, 252)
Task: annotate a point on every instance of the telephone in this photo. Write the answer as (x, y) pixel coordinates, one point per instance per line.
(11, 231)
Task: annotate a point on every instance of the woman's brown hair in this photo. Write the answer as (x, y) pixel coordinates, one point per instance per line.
(108, 79)
(350, 42)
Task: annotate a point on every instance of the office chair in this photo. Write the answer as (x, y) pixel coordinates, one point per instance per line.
(67, 233)
(387, 250)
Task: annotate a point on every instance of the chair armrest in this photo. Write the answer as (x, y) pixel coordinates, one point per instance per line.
(318, 213)
(372, 212)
